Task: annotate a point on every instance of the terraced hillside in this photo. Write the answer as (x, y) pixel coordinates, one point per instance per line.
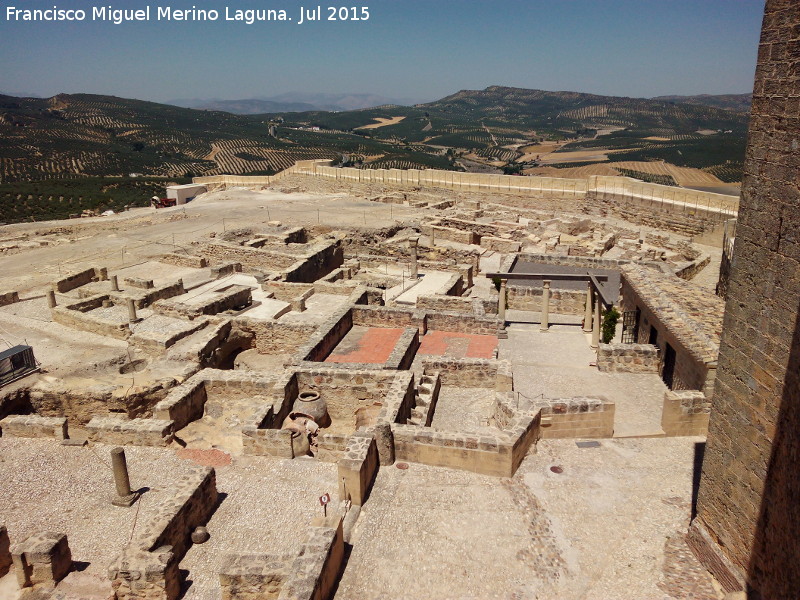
(497, 122)
(80, 135)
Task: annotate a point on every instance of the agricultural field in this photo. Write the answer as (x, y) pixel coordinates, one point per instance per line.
(71, 137)
(60, 198)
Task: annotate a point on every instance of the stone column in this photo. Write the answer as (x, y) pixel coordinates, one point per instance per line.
(433, 237)
(545, 305)
(596, 324)
(51, 298)
(132, 311)
(587, 313)
(414, 266)
(501, 303)
(114, 283)
(125, 496)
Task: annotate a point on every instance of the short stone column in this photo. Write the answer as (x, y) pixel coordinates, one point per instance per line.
(114, 283)
(587, 313)
(125, 496)
(433, 236)
(132, 317)
(596, 324)
(414, 266)
(545, 305)
(43, 558)
(501, 303)
(51, 299)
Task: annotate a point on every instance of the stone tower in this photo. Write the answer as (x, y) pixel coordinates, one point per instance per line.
(747, 527)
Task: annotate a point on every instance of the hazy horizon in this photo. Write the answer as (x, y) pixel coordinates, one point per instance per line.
(418, 50)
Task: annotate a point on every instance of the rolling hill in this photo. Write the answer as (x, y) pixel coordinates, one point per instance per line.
(69, 137)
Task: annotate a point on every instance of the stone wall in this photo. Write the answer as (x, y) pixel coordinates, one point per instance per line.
(42, 559)
(183, 260)
(236, 296)
(577, 418)
(34, 426)
(271, 337)
(498, 455)
(76, 280)
(460, 323)
(148, 566)
(500, 244)
(9, 298)
(310, 575)
(135, 432)
(563, 302)
(358, 467)
(472, 372)
(749, 489)
(685, 413)
(73, 316)
(628, 358)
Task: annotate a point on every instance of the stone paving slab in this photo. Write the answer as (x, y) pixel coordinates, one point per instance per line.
(557, 364)
(457, 345)
(373, 345)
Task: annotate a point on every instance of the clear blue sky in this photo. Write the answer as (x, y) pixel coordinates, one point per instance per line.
(421, 49)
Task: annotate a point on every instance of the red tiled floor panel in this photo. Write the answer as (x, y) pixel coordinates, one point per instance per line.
(457, 345)
(362, 345)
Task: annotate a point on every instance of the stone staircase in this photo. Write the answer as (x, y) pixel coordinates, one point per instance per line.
(427, 394)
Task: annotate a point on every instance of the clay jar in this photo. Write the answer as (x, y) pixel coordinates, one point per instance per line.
(310, 403)
(300, 444)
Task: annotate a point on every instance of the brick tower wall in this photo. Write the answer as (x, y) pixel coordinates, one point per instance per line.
(747, 528)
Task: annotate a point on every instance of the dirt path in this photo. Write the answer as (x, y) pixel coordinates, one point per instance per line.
(382, 122)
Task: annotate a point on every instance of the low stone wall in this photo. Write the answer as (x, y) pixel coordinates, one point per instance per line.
(76, 280)
(472, 372)
(358, 468)
(628, 358)
(693, 268)
(327, 336)
(460, 323)
(148, 566)
(9, 298)
(380, 316)
(156, 342)
(217, 302)
(498, 455)
(271, 337)
(310, 575)
(34, 426)
(562, 302)
(685, 413)
(184, 403)
(453, 286)
(258, 441)
(183, 260)
(430, 302)
(42, 559)
(72, 316)
(453, 235)
(134, 432)
(500, 244)
(589, 262)
(151, 295)
(138, 282)
(577, 418)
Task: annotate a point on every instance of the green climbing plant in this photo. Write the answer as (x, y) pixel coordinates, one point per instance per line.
(609, 327)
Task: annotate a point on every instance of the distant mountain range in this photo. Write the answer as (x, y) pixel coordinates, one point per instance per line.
(293, 102)
(737, 102)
